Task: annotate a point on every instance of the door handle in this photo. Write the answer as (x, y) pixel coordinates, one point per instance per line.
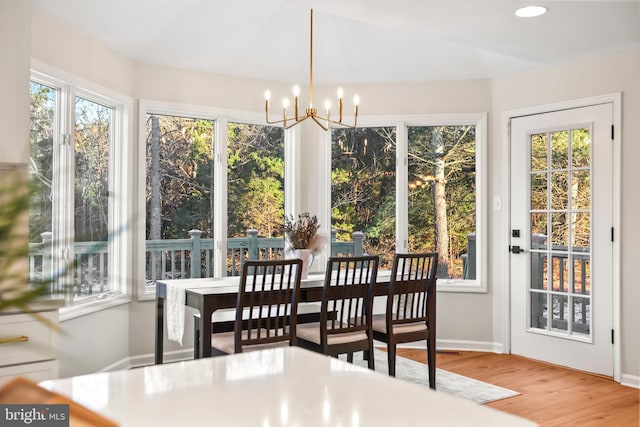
(516, 249)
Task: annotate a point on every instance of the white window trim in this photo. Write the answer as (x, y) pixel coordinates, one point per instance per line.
(402, 123)
(120, 212)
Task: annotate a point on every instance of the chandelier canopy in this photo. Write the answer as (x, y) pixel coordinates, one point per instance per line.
(311, 112)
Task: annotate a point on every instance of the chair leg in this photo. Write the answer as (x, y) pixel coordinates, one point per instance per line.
(368, 355)
(431, 361)
(391, 358)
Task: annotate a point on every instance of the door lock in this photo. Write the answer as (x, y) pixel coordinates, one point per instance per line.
(516, 249)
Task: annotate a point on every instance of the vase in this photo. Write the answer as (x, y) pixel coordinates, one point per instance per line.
(306, 255)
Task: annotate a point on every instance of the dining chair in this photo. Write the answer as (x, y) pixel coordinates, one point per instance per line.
(266, 308)
(411, 308)
(345, 323)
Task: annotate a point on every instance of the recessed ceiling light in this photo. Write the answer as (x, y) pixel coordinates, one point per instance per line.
(531, 11)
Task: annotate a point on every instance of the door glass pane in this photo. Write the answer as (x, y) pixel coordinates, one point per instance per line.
(559, 190)
(560, 312)
(538, 270)
(560, 272)
(581, 228)
(538, 191)
(539, 152)
(581, 274)
(581, 148)
(539, 312)
(538, 230)
(580, 190)
(91, 190)
(363, 189)
(559, 232)
(581, 315)
(559, 150)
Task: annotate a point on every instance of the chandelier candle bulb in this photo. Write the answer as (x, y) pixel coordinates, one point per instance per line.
(267, 96)
(296, 92)
(327, 106)
(285, 104)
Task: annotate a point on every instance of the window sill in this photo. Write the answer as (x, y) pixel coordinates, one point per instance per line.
(148, 294)
(461, 286)
(93, 305)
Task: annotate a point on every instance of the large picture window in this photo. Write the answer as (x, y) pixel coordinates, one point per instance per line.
(179, 193)
(363, 182)
(255, 180)
(442, 196)
(429, 200)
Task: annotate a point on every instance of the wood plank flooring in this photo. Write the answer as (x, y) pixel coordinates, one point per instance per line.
(550, 395)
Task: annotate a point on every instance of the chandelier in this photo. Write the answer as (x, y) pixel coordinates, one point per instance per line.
(311, 112)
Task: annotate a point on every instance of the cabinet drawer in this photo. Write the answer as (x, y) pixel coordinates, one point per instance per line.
(24, 338)
(36, 372)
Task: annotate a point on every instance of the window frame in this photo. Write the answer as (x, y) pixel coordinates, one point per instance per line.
(402, 124)
(68, 87)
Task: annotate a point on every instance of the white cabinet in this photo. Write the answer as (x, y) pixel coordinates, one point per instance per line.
(29, 345)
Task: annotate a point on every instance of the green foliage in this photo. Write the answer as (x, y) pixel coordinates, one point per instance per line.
(363, 186)
(255, 180)
(186, 168)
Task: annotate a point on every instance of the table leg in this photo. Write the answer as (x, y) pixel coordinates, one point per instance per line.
(159, 329)
(196, 336)
(204, 328)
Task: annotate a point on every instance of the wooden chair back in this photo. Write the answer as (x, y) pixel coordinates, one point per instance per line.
(267, 304)
(412, 289)
(346, 296)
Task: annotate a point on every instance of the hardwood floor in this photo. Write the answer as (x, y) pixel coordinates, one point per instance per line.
(550, 395)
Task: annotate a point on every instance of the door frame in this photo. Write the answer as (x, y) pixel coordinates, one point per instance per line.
(504, 300)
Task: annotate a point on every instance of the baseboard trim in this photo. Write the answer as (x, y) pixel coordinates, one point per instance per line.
(630, 380)
(458, 345)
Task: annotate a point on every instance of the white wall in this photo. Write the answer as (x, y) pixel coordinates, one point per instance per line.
(14, 80)
(471, 319)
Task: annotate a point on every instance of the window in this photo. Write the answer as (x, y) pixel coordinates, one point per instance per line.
(363, 182)
(430, 200)
(255, 180)
(76, 217)
(179, 194)
(442, 196)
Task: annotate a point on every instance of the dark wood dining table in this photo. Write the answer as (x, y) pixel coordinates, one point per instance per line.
(223, 294)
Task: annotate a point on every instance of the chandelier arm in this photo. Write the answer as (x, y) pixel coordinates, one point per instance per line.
(322, 125)
(335, 122)
(294, 122)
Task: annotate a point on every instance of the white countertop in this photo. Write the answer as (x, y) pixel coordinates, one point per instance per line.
(280, 387)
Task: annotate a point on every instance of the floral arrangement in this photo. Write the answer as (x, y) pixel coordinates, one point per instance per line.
(302, 233)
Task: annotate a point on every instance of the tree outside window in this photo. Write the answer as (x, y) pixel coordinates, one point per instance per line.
(442, 196)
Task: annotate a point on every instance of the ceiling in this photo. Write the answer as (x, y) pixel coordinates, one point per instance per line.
(355, 41)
